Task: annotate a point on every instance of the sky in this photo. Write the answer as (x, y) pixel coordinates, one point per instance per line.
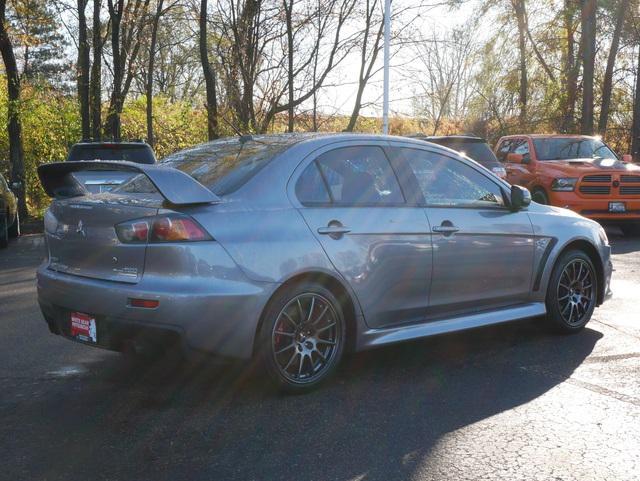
(438, 18)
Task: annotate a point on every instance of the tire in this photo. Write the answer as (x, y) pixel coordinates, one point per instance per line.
(630, 230)
(14, 230)
(4, 231)
(540, 196)
(302, 337)
(572, 292)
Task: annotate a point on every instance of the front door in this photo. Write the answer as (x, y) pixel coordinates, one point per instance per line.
(482, 251)
(352, 201)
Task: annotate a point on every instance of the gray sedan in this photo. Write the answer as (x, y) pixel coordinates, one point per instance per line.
(292, 249)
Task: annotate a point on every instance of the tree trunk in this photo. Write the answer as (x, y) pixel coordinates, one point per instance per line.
(519, 8)
(95, 86)
(113, 118)
(635, 129)
(149, 84)
(611, 62)
(209, 76)
(588, 41)
(570, 70)
(288, 10)
(14, 129)
(83, 69)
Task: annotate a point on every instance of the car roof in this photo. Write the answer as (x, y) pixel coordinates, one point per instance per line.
(456, 137)
(550, 136)
(94, 143)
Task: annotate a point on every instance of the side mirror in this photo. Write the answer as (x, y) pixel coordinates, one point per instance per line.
(514, 158)
(520, 198)
(627, 158)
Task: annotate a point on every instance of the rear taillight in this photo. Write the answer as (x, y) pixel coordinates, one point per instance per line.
(162, 228)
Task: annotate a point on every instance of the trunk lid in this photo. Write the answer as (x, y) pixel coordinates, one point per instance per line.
(82, 239)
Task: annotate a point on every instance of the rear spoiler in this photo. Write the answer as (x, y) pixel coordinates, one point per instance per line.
(174, 185)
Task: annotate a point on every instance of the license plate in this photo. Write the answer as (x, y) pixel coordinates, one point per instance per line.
(617, 207)
(83, 327)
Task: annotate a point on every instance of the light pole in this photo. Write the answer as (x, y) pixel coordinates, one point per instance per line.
(385, 94)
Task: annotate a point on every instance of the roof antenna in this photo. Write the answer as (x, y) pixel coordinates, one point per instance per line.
(243, 138)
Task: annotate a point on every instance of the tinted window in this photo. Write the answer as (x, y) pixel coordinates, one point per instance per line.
(360, 175)
(140, 154)
(310, 187)
(445, 181)
(572, 148)
(478, 151)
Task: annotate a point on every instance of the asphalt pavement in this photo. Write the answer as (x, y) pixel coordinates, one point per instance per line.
(512, 402)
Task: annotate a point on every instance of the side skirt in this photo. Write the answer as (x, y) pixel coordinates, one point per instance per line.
(379, 337)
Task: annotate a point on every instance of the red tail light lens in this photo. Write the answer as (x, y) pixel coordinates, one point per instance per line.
(163, 228)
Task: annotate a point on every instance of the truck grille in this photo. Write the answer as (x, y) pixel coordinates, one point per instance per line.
(596, 178)
(630, 179)
(595, 189)
(630, 190)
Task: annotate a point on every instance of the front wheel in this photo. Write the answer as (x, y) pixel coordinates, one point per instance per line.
(302, 337)
(572, 292)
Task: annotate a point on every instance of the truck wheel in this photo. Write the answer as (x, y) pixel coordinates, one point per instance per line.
(631, 230)
(540, 196)
(4, 231)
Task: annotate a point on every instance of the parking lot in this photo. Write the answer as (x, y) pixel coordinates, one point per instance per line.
(512, 402)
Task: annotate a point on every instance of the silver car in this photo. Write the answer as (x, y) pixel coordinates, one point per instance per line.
(292, 249)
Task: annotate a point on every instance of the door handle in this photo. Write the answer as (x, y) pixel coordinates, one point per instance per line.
(334, 230)
(446, 228)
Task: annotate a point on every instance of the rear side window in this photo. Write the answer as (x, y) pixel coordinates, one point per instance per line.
(359, 176)
(447, 182)
(310, 188)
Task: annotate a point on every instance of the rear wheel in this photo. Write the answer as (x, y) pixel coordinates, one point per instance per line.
(540, 196)
(631, 230)
(571, 294)
(4, 231)
(14, 230)
(302, 337)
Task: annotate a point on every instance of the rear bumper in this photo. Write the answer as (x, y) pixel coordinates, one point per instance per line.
(220, 317)
(598, 208)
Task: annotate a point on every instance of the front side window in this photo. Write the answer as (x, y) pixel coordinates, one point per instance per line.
(503, 150)
(445, 181)
(566, 148)
(359, 176)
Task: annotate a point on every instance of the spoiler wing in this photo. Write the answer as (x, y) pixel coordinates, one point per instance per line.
(174, 185)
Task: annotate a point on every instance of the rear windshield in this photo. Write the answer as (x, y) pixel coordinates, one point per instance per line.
(225, 165)
(568, 148)
(140, 154)
(476, 150)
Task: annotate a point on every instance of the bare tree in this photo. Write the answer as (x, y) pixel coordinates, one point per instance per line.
(83, 69)
(14, 128)
(209, 75)
(588, 42)
(635, 129)
(95, 85)
(155, 23)
(519, 7)
(607, 86)
(128, 20)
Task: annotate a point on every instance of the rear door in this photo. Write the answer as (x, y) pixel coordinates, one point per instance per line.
(482, 252)
(351, 199)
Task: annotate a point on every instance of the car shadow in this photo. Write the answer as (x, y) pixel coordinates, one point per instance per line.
(378, 418)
